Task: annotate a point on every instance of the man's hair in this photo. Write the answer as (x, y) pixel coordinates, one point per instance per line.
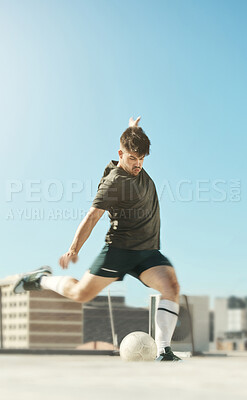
(135, 140)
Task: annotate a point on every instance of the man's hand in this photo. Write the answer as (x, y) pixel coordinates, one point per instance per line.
(83, 231)
(133, 122)
(67, 258)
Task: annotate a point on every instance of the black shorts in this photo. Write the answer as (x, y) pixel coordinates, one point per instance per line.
(113, 262)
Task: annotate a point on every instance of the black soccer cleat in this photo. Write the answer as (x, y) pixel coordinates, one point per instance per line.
(168, 355)
(31, 280)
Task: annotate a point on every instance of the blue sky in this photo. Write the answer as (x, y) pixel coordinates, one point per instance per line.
(71, 75)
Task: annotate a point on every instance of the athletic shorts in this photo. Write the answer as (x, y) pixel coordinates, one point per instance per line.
(113, 262)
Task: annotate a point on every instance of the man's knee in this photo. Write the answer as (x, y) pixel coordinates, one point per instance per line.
(172, 287)
(175, 287)
(82, 296)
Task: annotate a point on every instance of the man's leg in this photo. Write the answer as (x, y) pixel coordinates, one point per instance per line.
(163, 279)
(81, 291)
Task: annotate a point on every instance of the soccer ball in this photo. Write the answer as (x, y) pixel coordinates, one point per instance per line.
(138, 346)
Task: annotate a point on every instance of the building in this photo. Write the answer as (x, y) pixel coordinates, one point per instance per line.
(39, 319)
(230, 323)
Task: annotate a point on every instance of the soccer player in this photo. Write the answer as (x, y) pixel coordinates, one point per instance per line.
(132, 243)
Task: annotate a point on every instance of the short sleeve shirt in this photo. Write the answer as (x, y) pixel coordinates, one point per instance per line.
(133, 208)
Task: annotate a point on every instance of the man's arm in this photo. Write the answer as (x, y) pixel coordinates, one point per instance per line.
(83, 232)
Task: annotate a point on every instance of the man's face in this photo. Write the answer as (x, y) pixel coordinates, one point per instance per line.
(130, 162)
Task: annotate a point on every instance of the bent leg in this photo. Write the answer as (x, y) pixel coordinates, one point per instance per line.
(87, 288)
(163, 279)
(80, 291)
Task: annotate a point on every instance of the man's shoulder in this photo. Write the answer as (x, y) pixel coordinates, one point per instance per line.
(146, 175)
(111, 176)
(113, 173)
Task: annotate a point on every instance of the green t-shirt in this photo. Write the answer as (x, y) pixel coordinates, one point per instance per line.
(133, 208)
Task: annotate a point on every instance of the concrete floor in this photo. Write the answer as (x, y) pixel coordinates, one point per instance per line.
(59, 377)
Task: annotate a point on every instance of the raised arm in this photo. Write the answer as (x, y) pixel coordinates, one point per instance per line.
(133, 122)
(83, 232)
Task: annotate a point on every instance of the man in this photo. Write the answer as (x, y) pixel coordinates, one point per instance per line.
(132, 243)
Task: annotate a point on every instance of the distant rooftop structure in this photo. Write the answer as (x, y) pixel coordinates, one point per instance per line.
(230, 323)
(9, 280)
(237, 302)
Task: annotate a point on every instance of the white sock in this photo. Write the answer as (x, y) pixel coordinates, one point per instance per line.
(55, 283)
(166, 320)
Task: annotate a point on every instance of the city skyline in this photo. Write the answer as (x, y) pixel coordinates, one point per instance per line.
(45, 319)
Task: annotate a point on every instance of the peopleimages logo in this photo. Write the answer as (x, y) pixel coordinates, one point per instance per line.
(31, 192)
(50, 190)
(202, 190)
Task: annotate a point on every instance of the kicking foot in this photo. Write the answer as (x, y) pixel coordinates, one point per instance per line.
(168, 355)
(31, 280)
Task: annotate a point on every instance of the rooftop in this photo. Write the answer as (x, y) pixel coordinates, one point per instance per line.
(60, 377)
